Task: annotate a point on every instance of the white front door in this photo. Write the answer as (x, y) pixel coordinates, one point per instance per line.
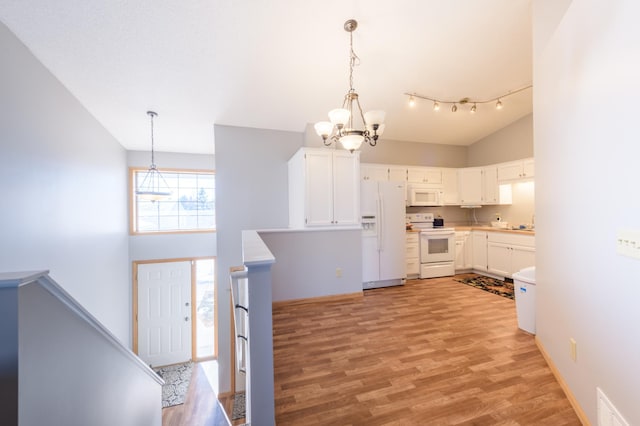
(164, 312)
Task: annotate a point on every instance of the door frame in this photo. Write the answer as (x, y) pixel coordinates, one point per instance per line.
(194, 337)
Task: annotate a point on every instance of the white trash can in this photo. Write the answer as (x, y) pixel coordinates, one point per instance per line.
(524, 287)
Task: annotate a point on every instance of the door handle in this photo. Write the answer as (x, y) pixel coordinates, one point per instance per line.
(186, 319)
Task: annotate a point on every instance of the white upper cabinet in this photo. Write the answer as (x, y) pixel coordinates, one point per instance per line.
(324, 188)
(491, 189)
(424, 175)
(346, 188)
(397, 173)
(514, 170)
(450, 187)
(383, 172)
(319, 188)
(470, 184)
(375, 172)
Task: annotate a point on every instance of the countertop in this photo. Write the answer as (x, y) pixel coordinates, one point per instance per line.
(488, 229)
(492, 229)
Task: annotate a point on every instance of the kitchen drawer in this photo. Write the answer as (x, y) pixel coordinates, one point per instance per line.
(413, 237)
(413, 267)
(511, 239)
(413, 251)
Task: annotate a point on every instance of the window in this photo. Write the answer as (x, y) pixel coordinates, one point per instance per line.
(190, 208)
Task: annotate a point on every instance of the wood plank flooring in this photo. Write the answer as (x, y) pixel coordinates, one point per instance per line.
(434, 352)
(200, 407)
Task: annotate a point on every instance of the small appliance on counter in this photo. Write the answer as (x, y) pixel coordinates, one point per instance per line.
(438, 222)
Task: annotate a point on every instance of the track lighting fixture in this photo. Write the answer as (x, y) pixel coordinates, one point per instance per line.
(463, 101)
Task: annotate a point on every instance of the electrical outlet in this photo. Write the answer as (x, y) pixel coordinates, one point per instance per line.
(338, 272)
(573, 349)
(628, 243)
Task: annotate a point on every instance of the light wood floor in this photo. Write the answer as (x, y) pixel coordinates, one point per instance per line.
(200, 407)
(433, 352)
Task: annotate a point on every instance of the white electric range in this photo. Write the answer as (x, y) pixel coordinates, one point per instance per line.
(437, 246)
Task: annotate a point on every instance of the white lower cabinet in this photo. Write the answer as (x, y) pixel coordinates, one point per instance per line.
(464, 251)
(413, 254)
(479, 249)
(509, 253)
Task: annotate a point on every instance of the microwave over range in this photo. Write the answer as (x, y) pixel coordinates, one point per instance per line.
(424, 195)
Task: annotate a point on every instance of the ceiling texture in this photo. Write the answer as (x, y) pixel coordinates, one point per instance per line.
(280, 64)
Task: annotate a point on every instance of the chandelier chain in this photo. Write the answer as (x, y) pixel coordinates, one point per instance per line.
(354, 60)
(153, 162)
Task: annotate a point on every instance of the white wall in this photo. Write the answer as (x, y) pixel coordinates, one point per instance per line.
(306, 263)
(251, 193)
(63, 183)
(72, 374)
(512, 142)
(402, 152)
(172, 246)
(586, 67)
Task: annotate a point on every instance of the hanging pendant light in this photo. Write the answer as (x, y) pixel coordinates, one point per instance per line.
(153, 186)
(341, 122)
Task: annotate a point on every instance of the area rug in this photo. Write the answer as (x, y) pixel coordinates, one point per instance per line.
(238, 407)
(492, 285)
(176, 383)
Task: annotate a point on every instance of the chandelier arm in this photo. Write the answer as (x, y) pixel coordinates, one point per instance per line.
(362, 115)
(343, 120)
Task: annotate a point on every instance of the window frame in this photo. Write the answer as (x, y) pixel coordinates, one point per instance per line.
(132, 201)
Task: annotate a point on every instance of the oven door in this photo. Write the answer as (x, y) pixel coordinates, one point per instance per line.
(437, 246)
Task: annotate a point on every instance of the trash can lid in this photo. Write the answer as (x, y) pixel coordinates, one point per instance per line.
(527, 275)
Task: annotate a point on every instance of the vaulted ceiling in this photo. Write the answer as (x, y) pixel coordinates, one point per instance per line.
(281, 64)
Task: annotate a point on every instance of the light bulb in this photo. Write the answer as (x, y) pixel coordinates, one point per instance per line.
(499, 104)
(412, 101)
(436, 106)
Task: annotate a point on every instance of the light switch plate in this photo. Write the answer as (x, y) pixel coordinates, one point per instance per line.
(628, 243)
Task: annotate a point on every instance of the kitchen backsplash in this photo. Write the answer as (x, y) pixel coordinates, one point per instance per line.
(520, 212)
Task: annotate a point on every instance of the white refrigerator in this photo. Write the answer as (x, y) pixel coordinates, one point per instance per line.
(382, 205)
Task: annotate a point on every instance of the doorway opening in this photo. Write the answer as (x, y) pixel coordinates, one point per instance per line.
(175, 310)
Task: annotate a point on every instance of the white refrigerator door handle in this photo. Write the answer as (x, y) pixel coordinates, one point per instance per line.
(380, 223)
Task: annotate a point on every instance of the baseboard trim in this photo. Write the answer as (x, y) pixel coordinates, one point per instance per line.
(334, 297)
(567, 391)
(223, 395)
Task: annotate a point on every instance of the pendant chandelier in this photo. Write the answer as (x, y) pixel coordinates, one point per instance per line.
(153, 186)
(341, 127)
